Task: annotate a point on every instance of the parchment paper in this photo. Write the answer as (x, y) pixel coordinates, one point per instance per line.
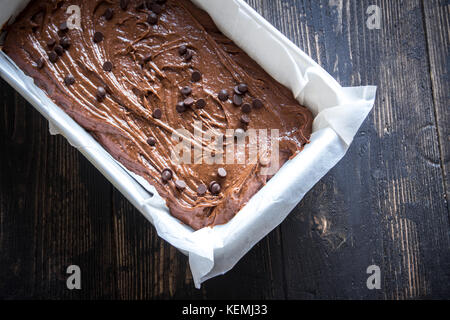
(339, 112)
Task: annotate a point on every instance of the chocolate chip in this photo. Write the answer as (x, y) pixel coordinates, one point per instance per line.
(51, 43)
(201, 189)
(166, 174)
(69, 80)
(180, 107)
(65, 42)
(236, 90)
(237, 100)
(186, 91)
(189, 102)
(245, 119)
(63, 27)
(156, 8)
(107, 66)
(182, 50)
(243, 88)
(214, 187)
(124, 4)
(109, 13)
(196, 76)
(180, 184)
(52, 56)
(152, 18)
(257, 104)
(59, 50)
(161, 1)
(40, 63)
(157, 114)
(246, 108)
(223, 95)
(188, 56)
(201, 103)
(221, 172)
(101, 94)
(98, 37)
(151, 141)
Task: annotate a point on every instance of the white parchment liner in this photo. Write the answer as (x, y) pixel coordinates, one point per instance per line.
(339, 112)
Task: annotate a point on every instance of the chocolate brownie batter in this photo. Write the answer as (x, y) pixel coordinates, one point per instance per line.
(136, 71)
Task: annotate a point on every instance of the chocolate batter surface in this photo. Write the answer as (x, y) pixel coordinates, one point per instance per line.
(137, 71)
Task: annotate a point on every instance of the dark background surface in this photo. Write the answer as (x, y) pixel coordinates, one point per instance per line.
(386, 203)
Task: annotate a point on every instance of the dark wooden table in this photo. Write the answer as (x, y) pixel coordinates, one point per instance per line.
(385, 204)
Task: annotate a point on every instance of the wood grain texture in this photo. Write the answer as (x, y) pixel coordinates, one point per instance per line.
(384, 204)
(437, 24)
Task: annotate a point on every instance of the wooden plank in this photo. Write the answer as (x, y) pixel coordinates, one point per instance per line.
(16, 277)
(55, 211)
(384, 203)
(437, 27)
